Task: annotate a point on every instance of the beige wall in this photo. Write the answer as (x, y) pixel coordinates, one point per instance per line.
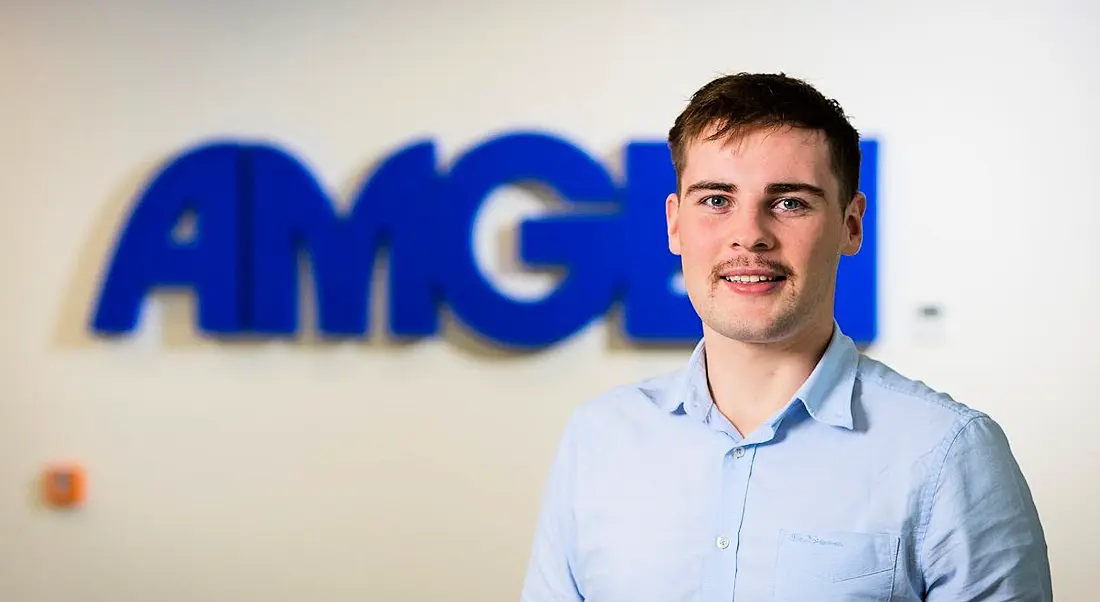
(285, 472)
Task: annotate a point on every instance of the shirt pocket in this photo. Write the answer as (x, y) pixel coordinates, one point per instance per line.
(835, 565)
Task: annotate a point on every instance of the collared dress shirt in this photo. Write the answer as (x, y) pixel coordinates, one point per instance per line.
(867, 486)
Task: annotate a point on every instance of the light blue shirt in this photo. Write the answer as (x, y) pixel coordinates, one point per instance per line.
(868, 486)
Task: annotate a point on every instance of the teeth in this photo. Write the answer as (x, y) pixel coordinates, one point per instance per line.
(748, 279)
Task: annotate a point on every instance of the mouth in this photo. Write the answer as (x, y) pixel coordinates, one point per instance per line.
(752, 278)
(753, 284)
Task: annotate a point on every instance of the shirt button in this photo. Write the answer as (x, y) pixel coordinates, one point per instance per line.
(722, 543)
(740, 451)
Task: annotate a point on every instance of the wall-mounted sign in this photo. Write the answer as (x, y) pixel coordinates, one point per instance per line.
(257, 208)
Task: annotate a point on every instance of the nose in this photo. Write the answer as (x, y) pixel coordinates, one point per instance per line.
(750, 230)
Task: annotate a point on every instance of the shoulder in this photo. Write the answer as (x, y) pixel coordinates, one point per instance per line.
(946, 434)
(631, 399)
(881, 382)
(974, 500)
(888, 397)
(628, 407)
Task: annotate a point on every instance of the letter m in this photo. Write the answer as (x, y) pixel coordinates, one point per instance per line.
(257, 210)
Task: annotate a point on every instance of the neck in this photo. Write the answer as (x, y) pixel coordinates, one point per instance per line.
(750, 382)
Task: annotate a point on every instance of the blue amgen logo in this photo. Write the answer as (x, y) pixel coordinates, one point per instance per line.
(258, 209)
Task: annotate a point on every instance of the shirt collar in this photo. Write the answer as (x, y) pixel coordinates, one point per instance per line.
(826, 394)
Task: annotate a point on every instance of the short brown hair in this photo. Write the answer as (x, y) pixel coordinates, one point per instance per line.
(747, 101)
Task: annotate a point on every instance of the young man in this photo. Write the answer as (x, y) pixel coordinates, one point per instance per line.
(780, 463)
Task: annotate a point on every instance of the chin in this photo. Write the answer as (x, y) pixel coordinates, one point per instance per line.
(760, 326)
(749, 331)
(754, 336)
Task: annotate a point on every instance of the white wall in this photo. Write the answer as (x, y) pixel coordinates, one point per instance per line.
(352, 472)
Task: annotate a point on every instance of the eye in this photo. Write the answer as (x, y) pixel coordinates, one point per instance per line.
(715, 202)
(791, 204)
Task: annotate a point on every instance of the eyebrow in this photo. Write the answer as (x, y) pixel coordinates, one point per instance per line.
(789, 187)
(710, 186)
(772, 189)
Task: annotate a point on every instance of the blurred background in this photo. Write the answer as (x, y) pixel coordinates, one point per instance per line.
(287, 471)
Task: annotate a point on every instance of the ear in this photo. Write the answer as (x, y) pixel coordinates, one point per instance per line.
(853, 224)
(672, 217)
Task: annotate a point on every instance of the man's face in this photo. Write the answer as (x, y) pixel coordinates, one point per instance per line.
(759, 229)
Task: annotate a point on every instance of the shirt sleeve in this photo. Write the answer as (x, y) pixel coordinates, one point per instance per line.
(549, 575)
(983, 539)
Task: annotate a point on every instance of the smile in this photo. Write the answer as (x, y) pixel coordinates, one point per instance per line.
(750, 279)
